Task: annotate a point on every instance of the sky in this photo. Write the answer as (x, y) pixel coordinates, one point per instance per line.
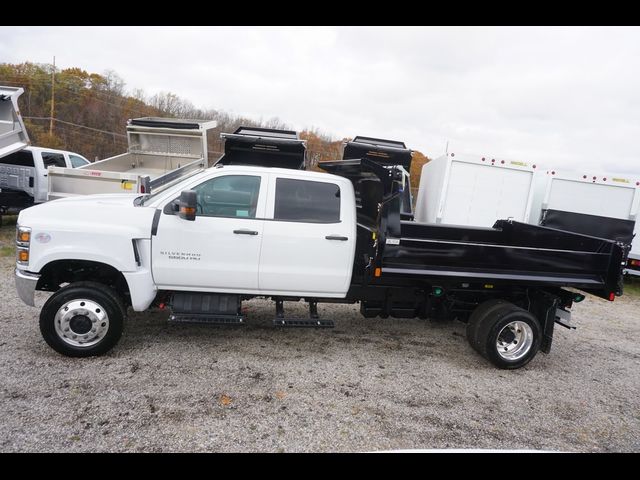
(562, 97)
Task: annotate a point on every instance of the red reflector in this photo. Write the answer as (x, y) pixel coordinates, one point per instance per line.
(634, 263)
(612, 296)
(142, 189)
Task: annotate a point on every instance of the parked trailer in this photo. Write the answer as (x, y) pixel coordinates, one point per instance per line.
(161, 151)
(598, 204)
(475, 190)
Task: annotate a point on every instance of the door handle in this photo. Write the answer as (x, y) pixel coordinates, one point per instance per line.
(245, 232)
(337, 237)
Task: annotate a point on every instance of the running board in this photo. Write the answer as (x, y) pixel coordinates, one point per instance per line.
(207, 319)
(302, 323)
(312, 322)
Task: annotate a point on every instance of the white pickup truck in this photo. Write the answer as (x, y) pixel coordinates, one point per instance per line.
(23, 168)
(226, 234)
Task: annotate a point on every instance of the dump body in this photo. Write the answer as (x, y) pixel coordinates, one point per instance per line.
(509, 252)
(598, 204)
(474, 190)
(161, 150)
(265, 147)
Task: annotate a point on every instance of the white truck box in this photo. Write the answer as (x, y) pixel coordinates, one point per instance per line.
(161, 151)
(475, 190)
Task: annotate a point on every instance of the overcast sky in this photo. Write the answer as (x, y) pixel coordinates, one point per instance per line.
(562, 97)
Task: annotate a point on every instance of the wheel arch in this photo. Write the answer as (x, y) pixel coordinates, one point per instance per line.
(59, 272)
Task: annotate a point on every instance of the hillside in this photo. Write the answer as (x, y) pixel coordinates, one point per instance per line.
(91, 111)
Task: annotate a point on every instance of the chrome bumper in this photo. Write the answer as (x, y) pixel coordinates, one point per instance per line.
(26, 286)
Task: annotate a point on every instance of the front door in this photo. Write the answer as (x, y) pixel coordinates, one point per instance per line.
(220, 250)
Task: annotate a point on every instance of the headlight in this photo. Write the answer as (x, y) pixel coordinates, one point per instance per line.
(23, 241)
(23, 236)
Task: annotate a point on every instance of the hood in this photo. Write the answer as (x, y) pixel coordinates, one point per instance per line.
(92, 213)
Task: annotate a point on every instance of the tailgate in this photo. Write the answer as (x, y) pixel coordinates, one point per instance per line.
(13, 135)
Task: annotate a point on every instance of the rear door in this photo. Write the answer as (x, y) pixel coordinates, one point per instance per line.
(220, 250)
(309, 237)
(45, 159)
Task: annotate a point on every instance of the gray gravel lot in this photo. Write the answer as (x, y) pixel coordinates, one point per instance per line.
(366, 385)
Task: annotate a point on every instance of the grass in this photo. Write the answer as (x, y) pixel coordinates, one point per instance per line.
(632, 287)
(8, 236)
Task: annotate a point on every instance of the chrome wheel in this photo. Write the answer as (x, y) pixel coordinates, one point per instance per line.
(514, 340)
(81, 323)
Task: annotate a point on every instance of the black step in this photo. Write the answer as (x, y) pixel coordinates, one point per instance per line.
(207, 319)
(303, 323)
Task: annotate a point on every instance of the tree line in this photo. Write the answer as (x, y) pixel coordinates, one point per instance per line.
(91, 111)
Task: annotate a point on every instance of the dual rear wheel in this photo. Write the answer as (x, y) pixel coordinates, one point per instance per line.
(503, 333)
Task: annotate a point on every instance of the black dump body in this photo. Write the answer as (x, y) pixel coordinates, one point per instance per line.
(263, 147)
(510, 253)
(383, 152)
(386, 153)
(617, 229)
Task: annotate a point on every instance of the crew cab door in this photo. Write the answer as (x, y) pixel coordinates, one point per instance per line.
(43, 160)
(220, 249)
(309, 237)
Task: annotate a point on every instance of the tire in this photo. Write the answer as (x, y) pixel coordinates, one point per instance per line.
(83, 319)
(477, 316)
(508, 336)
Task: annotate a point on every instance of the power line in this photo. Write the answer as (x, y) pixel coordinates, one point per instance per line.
(76, 125)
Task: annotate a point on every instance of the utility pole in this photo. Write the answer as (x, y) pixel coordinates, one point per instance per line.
(53, 95)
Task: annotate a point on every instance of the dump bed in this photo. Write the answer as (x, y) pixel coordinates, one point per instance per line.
(265, 147)
(161, 151)
(13, 135)
(510, 252)
(388, 153)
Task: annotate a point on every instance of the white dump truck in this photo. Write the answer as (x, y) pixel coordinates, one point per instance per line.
(160, 152)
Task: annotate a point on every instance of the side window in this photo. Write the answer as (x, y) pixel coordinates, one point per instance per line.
(228, 196)
(306, 201)
(53, 159)
(77, 161)
(22, 158)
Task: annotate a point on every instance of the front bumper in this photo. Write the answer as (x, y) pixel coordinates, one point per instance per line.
(26, 286)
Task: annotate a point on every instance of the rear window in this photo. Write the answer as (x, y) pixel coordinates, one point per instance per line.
(53, 159)
(22, 159)
(306, 201)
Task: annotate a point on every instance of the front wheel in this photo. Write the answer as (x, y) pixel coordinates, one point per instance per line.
(83, 319)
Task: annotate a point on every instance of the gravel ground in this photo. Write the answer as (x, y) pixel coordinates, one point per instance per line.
(366, 385)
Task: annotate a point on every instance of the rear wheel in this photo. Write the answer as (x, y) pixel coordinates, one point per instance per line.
(477, 315)
(508, 336)
(82, 319)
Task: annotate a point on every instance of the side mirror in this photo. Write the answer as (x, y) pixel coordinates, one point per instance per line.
(188, 203)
